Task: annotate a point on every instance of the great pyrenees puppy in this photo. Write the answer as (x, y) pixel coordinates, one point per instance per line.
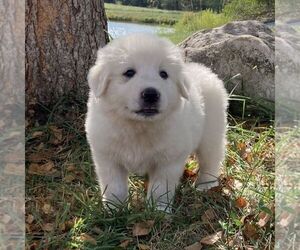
(147, 112)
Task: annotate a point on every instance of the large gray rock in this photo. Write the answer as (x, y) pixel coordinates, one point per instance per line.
(241, 47)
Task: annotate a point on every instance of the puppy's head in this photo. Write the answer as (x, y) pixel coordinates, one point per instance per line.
(139, 77)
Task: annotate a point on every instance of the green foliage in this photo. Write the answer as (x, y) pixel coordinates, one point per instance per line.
(248, 9)
(191, 22)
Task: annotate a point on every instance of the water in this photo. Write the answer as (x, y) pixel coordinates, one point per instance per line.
(117, 29)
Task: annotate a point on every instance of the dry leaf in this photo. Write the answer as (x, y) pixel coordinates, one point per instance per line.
(247, 157)
(29, 218)
(69, 178)
(211, 239)
(250, 231)
(247, 218)
(241, 146)
(237, 184)
(48, 227)
(143, 247)
(124, 243)
(45, 169)
(57, 135)
(241, 202)
(69, 224)
(263, 219)
(88, 238)
(38, 157)
(142, 228)
(208, 215)
(47, 208)
(40, 146)
(195, 246)
(62, 226)
(71, 168)
(37, 134)
(97, 230)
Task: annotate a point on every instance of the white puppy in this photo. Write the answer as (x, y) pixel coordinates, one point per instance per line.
(147, 112)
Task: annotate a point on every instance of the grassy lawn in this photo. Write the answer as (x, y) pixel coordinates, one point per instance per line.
(124, 13)
(64, 211)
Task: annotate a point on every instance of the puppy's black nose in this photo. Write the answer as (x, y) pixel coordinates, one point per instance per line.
(150, 95)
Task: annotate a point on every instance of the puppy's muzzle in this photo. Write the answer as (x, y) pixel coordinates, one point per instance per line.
(150, 98)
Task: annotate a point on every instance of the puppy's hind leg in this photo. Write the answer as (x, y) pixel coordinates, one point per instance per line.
(210, 157)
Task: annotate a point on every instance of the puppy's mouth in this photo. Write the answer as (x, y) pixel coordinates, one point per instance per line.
(147, 112)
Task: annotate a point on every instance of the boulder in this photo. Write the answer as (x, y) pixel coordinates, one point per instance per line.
(241, 53)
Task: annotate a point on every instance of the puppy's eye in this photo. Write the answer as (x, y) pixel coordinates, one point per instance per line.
(129, 73)
(163, 74)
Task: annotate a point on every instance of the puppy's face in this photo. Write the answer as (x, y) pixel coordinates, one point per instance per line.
(138, 77)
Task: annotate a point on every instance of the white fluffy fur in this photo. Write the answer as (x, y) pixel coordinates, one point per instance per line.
(192, 118)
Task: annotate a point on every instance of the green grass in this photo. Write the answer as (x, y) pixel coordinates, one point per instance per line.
(78, 219)
(124, 13)
(192, 22)
(249, 9)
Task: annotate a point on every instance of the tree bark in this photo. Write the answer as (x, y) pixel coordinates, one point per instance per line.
(62, 38)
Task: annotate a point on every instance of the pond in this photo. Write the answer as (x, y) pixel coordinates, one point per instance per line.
(117, 29)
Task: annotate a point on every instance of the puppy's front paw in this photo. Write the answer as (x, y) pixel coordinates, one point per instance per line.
(203, 186)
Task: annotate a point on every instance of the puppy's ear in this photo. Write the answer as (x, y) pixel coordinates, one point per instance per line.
(98, 79)
(183, 86)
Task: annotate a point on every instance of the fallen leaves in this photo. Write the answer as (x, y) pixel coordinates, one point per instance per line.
(245, 150)
(47, 208)
(88, 238)
(195, 246)
(241, 202)
(39, 157)
(208, 215)
(264, 218)
(250, 231)
(211, 239)
(48, 227)
(37, 134)
(29, 218)
(125, 243)
(142, 228)
(57, 135)
(143, 247)
(46, 169)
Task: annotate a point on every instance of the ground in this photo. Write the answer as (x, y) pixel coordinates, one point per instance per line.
(64, 211)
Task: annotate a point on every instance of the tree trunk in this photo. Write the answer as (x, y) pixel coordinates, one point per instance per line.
(62, 38)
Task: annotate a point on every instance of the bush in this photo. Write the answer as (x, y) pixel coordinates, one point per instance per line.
(192, 22)
(248, 9)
